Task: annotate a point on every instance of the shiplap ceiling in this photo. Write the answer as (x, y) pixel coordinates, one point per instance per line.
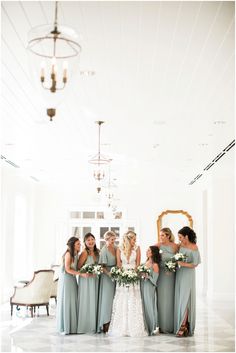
(164, 77)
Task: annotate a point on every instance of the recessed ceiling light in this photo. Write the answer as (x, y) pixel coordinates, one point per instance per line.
(87, 73)
(219, 122)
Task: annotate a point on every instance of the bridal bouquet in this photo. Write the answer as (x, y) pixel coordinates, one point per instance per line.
(142, 270)
(92, 269)
(172, 265)
(128, 277)
(124, 277)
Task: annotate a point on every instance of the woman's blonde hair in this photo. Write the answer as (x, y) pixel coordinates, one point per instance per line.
(125, 245)
(109, 234)
(169, 234)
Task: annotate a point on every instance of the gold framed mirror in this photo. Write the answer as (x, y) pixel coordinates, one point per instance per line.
(175, 220)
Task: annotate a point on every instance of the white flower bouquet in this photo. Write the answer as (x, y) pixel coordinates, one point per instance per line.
(179, 257)
(143, 270)
(128, 277)
(172, 265)
(92, 269)
(124, 277)
(115, 273)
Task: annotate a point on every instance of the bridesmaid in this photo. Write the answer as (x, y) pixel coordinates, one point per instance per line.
(107, 287)
(67, 293)
(148, 289)
(166, 283)
(88, 288)
(185, 287)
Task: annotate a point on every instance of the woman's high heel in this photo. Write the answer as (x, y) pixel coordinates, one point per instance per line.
(183, 331)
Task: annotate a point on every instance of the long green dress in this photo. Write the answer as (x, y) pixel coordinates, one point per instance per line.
(106, 289)
(67, 300)
(166, 292)
(149, 301)
(185, 291)
(88, 299)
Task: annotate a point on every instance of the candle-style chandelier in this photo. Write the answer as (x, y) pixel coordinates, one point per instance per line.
(99, 160)
(55, 45)
(110, 187)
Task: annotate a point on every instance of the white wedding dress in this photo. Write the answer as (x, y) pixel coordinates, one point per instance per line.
(127, 312)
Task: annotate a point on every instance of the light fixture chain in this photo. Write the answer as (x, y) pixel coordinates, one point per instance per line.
(56, 9)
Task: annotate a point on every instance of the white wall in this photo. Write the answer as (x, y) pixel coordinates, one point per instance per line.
(221, 229)
(13, 185)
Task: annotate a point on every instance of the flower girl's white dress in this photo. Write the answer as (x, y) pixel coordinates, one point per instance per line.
(127, 312)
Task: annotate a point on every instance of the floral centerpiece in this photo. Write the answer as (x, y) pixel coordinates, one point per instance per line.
(172, 264)
(143, 270)
(92, 269)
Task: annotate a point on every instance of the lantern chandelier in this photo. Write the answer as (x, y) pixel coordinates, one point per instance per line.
(55, 45)
(99, 160)
(110, 186)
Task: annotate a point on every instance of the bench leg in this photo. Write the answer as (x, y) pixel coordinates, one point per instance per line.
(47, 309)
(31, 310)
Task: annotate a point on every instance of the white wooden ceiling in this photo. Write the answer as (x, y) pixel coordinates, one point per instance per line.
(164, 85)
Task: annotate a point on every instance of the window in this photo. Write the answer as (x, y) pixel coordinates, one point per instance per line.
(20, 239)
(98, 222)
(75, 214)
(87, 215)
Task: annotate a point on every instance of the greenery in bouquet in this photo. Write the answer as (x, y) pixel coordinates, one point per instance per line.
(172, 264)
(92, 269)
(124, 277)
(143, 270)
(115, 273)
(179, 257)
(128, 277)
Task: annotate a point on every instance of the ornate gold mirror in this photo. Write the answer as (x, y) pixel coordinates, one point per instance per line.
(175, 220)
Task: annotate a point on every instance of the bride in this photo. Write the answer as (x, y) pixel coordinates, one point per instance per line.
(127, 312)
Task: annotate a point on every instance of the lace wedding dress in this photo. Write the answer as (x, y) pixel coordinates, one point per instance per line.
(127, 312)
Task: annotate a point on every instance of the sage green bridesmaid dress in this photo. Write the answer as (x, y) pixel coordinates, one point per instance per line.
(106, 289)
(67, 300)
(88, 299)
(149, 301)
(166, 292)
(185, 291)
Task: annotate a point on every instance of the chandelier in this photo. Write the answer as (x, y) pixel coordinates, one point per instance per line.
(99, 160)
(54, 45)
(110, 186)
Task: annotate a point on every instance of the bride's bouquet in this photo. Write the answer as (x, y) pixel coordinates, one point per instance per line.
(92, 269)
(124, 277)
(172, 265)
(143, 270)
(128, 277)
